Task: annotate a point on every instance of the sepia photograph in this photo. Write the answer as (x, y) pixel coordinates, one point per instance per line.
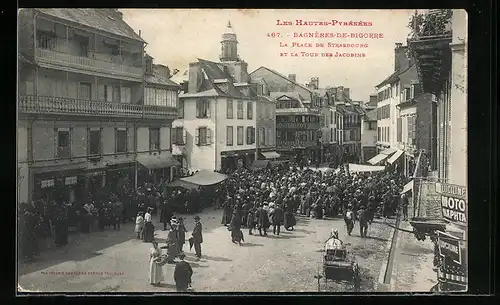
(241, 150)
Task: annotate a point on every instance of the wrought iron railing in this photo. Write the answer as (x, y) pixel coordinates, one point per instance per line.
(68, 106)
(298, 125)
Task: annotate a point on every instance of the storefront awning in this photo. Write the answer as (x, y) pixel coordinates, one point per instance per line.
(388, 151)
(394, 157)
(357, 168)
(163, 160)
(377, 159)
(270, 154)
(183, 184)
(43, 168)
(407, 187)
(205, 177)
(176, 151)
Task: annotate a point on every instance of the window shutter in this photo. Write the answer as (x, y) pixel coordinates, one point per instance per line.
(184, 136)
(173, 136)
(248, 136)
(198, 109)
(197, 137)
(209, 114)
(209, 136)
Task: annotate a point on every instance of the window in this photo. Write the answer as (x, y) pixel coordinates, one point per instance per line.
(229, 135)
(399, 129)
(63, 142)
(154, 139)
(172, 98)
(126, 95)
(46, 40)
(181, 109)
(94, 141)
(372, 125)
(84, 91)
(250, 135)
(239, 135)
(83, 44)
(378, 134)
(116, 94)
(203, 136)
(202, 109)
(249, 110)
(229, 109)
(121, 140)
(178, 136)
(260, 89)
(240, 110)
(262, 136)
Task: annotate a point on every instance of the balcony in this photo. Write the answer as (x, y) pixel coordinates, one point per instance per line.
(51, 57)
(298, 111)
(297, 125)
(29, 104)
(429, 45)
(295, 144)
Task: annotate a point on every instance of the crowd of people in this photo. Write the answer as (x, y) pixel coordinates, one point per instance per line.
(271, 196)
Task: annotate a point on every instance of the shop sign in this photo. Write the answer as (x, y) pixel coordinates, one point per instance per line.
(47, 183)
(449, 247)
(70, 180)
(453, 202)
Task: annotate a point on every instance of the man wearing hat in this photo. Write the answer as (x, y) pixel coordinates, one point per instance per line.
(363, 221)
(182, 274)
(197, 236)
(172, 241)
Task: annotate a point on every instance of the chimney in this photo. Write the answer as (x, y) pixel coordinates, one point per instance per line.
(119, 14)
(315, 83)
(292, 77)
(401, 61)
(195, 76)
(347, 93)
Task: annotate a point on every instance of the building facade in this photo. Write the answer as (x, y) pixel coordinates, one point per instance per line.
(298, 115)
(81, 104)
(368, 135)
(223, 115)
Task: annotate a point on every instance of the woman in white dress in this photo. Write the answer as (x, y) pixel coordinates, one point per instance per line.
(155, 269)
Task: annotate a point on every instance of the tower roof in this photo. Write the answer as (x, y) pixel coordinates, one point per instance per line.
(229, 28)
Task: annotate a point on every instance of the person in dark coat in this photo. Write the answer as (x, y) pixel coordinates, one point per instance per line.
(289, 218)
(165, 214)
(262, 221)
(227, 211)
(181, 235)
(182, 274)
(277, 218)
(251, 220)
(363, 221)
(197, 236)
(235, 226)
(61, 227)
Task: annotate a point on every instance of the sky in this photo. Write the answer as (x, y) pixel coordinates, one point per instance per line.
(176, 37)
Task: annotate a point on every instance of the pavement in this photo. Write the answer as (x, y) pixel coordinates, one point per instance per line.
(413, 262)
(114, 261)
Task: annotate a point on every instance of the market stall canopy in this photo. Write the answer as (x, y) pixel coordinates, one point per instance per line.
(394, 157)
(270, 154)
(378, 158)
(388, 151)
(407, 187)
(163, 160)
(183, 184)
(364, 168)
(205, 177)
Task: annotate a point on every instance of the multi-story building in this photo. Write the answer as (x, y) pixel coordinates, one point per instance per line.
(222, 117)
(440, 54)
(328, 139)
(352, 116)
(298, 115)
(405, 115)
(372, 103)
(368, 135)
(81, 103)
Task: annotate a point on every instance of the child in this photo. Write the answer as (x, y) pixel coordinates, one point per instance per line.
(139, 224)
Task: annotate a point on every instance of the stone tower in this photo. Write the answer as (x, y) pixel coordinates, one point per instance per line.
(229, 48)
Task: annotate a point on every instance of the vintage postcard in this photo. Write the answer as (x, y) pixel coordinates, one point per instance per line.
(218, 150)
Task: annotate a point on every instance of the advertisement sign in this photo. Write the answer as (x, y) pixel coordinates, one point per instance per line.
(47, 183)
(70, 180)
(453, 202)
(449, 247)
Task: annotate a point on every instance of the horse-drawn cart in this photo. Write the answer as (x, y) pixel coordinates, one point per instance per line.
(339, 265)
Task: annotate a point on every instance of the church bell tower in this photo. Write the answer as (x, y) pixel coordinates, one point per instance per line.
(229, 48)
